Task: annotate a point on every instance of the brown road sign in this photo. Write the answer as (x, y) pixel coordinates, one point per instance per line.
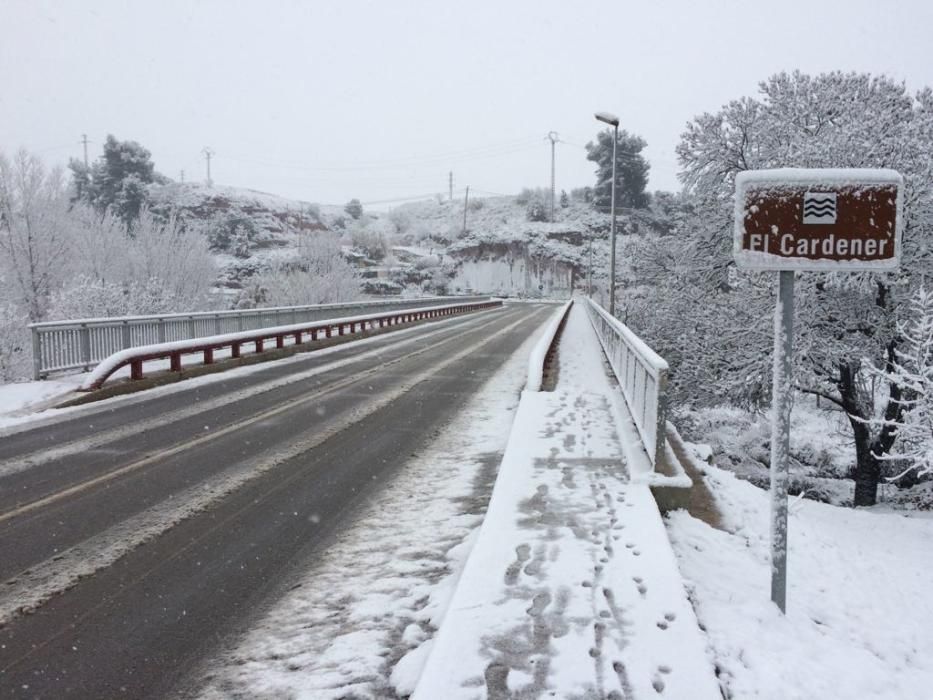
(799, 219)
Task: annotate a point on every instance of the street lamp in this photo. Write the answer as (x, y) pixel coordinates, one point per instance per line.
(613, 121)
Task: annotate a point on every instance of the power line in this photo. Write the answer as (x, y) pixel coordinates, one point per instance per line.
(433, 195)
(494, 194)
(410, 198)
(456, 156)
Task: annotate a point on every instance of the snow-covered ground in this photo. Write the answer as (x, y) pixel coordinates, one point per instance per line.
(572, 589)
(859, 618)
(21, 399)
(360, 625)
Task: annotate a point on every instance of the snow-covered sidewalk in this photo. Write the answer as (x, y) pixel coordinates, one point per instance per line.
(572, 589)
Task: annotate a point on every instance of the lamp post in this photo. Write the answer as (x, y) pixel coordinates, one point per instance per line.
(613, 121)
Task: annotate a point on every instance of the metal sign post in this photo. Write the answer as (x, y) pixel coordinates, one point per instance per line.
(817, 220)
(782, 397)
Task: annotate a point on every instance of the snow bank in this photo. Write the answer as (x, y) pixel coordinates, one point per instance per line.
(539, 354)
(859, 618)
(21, 398)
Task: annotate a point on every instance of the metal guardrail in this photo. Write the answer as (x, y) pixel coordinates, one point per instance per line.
(80, 344)
(642, 375)
(173, 351)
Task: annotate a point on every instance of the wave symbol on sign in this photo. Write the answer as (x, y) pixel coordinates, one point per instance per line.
(819, 208)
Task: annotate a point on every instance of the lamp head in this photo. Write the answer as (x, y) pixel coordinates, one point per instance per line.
(608, 118)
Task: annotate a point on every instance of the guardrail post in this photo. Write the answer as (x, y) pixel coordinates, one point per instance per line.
(175, 362)
(36, 355)
(280, 341)
(234, 350)
(86, 347)
(661, 430)
(208, 356)
(136, 369)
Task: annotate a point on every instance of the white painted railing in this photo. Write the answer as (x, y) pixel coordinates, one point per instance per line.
(642, 375)
(82, 343)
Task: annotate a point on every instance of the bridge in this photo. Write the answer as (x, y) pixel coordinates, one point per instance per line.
(143, 534)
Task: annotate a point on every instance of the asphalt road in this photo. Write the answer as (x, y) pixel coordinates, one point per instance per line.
(137, 534)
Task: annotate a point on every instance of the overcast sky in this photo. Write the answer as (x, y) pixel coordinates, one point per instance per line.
(325, 101)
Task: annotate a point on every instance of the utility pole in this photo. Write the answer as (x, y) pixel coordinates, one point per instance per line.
(450, 184)
(183, 177)
(208, 152)
(552, 135)
(84, 141)
(466, 205)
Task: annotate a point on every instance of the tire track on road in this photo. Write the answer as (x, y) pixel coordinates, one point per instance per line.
(27, 590)
(47, 455)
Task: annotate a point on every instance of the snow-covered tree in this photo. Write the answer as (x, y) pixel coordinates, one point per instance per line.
(15, 343)
(537, 209)
(34, 247)
(911, 371)
(99, 244)
(225, 233)
(319, 275)
(173, 254)
(830, 120)
(370, 240)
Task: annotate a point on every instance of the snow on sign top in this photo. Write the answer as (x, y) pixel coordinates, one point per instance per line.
(825, 219)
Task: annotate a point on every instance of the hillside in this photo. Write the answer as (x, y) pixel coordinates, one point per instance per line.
(413, 248)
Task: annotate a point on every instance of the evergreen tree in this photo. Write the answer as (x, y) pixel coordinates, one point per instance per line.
(354, 208)
(631, 170)
(117, 181)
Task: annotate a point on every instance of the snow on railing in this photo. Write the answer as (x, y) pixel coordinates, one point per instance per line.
(82, 343)
(642, 375)
(541, 348)
(207, 346)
